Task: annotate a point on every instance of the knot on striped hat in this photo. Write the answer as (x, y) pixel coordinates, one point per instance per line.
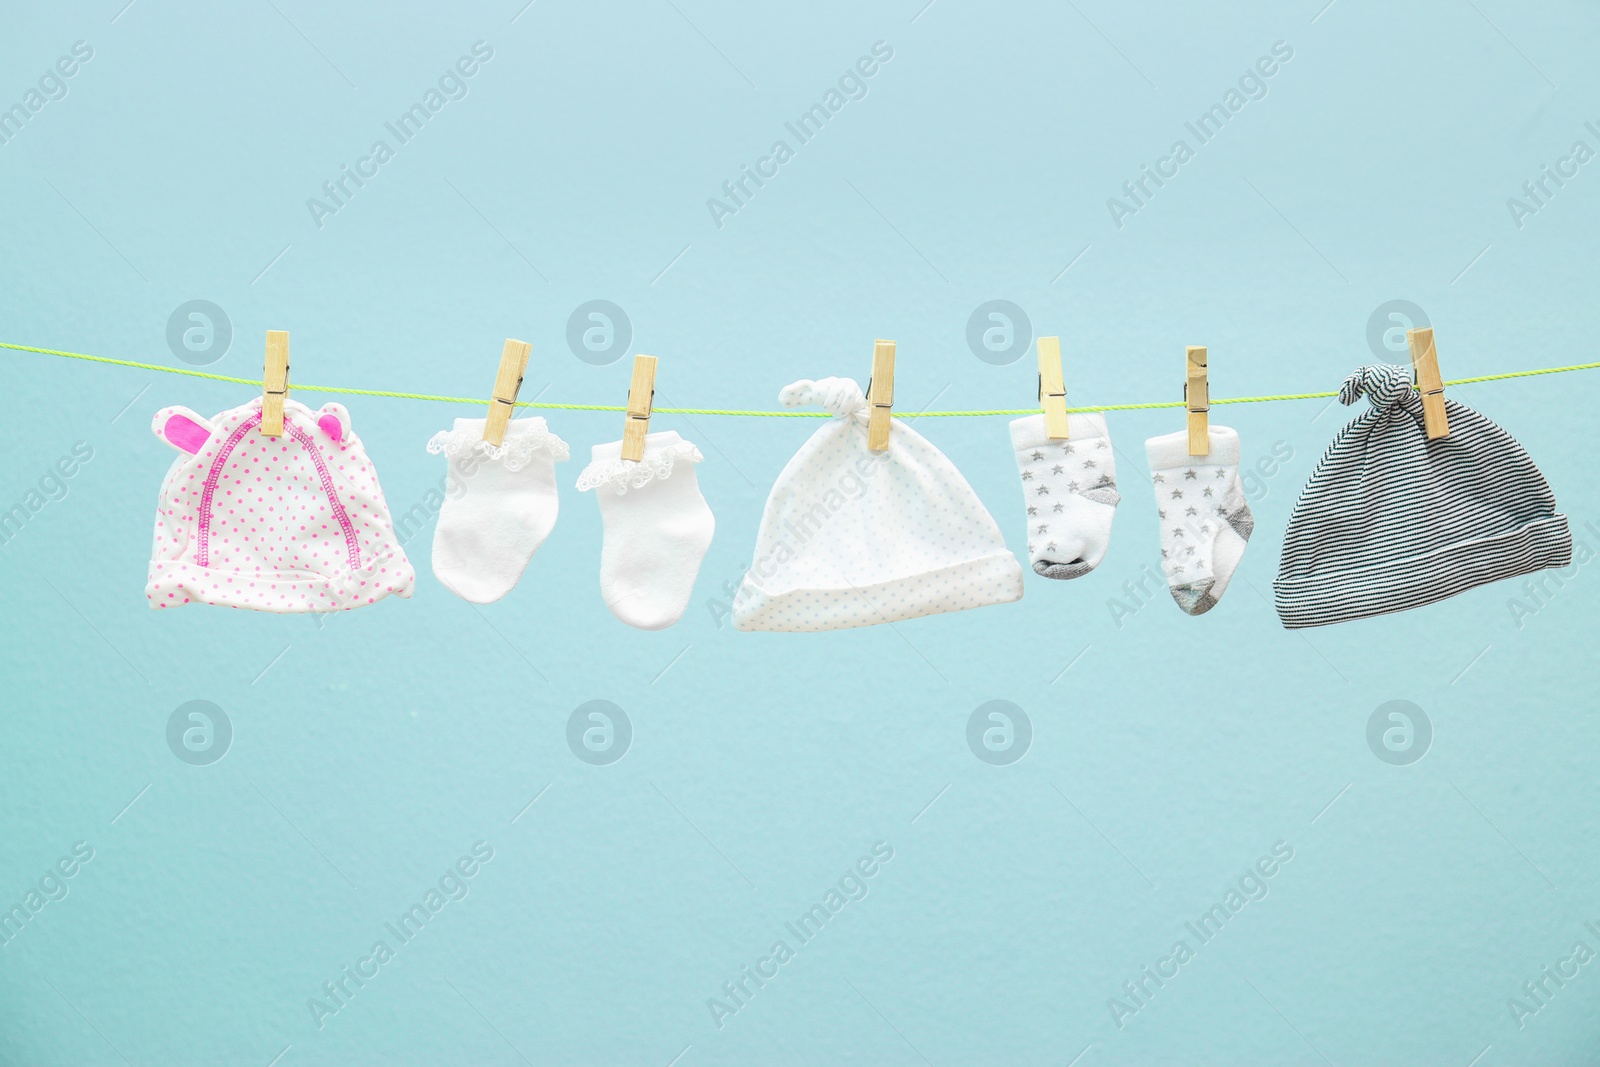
(1382, 383)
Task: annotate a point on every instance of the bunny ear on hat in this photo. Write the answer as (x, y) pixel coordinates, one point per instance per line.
(334, 420)
(182, 428)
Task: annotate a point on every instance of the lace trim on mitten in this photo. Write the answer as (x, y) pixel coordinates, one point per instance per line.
(519, 449)
(624, 474)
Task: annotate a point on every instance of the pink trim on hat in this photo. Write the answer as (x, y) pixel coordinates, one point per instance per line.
(202, 555)
(333, 498)
(202, 552)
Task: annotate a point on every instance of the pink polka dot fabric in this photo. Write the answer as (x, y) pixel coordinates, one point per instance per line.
(282, 524)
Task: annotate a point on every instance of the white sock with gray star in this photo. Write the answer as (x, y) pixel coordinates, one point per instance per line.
(1070, 488)
(1205, 520)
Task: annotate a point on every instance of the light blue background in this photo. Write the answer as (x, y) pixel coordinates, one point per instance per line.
(1169, 752)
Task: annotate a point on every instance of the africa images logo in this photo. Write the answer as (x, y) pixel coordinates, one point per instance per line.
(853, 886)
(1252, 85)
(452, 85)
(852, 85)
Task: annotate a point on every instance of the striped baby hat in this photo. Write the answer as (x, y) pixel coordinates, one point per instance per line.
(1390, 520)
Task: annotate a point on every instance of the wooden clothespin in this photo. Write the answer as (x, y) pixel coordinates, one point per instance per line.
(507, 381)
(880, 396)
(1425, 368)
(1197, 398)
(1052, 388)
(275, 383)
(641, 396)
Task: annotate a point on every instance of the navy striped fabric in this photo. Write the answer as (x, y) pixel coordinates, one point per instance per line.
(1390, 520)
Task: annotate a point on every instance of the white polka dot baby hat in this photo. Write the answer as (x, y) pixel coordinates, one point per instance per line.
(282, 524)
(852, 537)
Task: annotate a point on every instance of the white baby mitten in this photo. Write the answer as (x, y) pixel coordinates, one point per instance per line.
(657, 525)
(500, 504)
(1205, 521)
(1071, 492)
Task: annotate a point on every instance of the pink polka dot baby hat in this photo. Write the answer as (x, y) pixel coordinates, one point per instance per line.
(282, 524)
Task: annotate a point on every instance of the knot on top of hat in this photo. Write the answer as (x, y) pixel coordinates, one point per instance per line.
(840, 397)
(1382, 383)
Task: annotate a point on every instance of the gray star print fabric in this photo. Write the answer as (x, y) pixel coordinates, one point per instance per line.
(1205, 521)
(1070, 490)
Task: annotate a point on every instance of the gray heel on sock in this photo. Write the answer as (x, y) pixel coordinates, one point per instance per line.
(1242, 521)
(1103, 492)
